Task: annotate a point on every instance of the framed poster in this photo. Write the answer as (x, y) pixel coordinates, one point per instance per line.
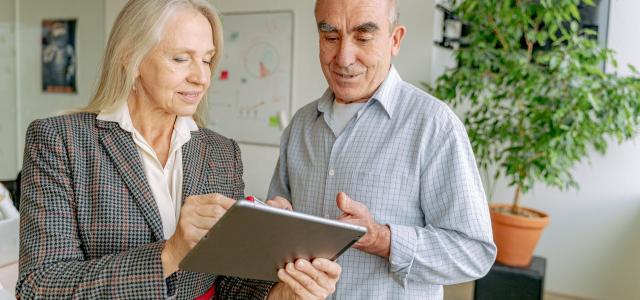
(59, 56)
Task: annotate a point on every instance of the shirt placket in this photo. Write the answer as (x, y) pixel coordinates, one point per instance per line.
(334, 180)
(329, 170)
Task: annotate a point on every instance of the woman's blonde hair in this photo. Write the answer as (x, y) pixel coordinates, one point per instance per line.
(136, 31)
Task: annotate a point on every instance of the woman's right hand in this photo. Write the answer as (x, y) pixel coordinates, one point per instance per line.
(198, 214)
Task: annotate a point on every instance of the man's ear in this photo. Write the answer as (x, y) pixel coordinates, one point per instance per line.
(396, 38)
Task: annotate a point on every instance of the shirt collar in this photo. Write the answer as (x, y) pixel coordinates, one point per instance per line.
(119, 113)
(383, 94)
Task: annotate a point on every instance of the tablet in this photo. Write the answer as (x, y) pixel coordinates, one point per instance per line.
(253, 241)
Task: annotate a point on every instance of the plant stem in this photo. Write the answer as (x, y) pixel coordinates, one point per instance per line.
(516, 201)
(503, 42)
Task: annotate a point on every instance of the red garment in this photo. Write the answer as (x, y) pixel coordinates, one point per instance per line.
(209, 294)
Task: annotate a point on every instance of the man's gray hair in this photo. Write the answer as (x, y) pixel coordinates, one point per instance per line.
(394, 12)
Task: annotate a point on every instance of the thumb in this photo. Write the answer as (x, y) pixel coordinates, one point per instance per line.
(344, 203)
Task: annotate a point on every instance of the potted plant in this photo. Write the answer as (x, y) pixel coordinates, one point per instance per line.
(535, 100)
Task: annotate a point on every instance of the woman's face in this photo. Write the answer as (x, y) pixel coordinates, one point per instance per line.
(174, 76)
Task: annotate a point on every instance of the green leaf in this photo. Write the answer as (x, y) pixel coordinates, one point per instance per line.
(575, 13)
(531, 119)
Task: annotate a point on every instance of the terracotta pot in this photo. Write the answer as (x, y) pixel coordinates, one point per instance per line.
(516, 236)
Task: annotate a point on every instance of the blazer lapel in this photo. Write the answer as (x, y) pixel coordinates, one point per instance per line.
(120, 146)
(193, 162)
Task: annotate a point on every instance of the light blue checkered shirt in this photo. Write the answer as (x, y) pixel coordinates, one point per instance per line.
(407, 157)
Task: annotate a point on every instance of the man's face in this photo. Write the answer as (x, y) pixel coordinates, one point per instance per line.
(356, 46)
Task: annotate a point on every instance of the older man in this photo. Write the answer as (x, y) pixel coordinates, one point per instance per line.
(379, 152)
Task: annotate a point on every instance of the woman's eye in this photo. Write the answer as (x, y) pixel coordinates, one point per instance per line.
(180, 59)
(208, 62)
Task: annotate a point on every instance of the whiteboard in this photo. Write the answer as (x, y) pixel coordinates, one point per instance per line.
(250, 96)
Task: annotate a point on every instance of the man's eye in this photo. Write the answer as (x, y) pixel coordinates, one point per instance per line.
(364, 39)
(331, 38)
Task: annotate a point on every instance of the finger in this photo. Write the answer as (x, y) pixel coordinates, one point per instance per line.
(311, 282)
(215, 199)
(293, 284)
(210, 211)
(284, 201)
(202, 223)
(274, 203)
(322, 279)
(307, 268)
(331, 268)
(349, 206)
(193, 235)
(280, 202)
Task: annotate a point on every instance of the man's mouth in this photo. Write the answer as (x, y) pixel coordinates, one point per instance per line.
(346, 76)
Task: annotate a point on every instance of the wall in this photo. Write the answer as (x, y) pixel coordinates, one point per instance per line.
(592, 241)
(89, 49)
(8, 149)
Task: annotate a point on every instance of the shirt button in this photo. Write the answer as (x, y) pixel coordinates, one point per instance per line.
(332, 172)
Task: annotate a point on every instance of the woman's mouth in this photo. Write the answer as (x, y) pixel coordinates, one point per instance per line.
(191, 96)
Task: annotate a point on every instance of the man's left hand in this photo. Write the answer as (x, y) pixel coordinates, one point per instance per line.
(377, 240)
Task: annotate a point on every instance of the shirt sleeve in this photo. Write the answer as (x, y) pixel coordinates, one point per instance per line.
(456, 245)
(280, 181)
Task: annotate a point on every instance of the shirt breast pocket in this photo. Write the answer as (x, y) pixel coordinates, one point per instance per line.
(391, 197)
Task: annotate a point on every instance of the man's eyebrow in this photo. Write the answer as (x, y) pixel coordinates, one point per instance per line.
(326, 27)
(369, 27)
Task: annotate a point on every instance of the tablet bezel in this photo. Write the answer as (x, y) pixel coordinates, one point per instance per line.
(253, 240)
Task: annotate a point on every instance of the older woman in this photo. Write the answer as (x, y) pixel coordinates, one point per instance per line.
(116, 195)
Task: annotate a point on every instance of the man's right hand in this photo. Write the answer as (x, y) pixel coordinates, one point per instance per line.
(280, 202)
(198, 214)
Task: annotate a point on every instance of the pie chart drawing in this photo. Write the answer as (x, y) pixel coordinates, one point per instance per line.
(262, 60)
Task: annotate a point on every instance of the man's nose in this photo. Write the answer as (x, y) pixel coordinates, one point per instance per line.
(347, 53)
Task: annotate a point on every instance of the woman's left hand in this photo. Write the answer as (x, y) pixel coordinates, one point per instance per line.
(307, 280)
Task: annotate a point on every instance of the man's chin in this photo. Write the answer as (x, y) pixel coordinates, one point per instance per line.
(349, 98)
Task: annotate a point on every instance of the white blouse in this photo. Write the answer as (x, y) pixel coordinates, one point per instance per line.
(165, 182)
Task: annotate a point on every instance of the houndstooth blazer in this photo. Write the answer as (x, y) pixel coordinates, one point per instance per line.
(90, 228)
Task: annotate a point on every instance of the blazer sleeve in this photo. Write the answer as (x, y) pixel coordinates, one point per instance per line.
(238, 189)
(52, 262)
(233, 287)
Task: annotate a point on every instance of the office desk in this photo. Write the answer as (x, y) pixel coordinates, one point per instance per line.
(9, 276)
